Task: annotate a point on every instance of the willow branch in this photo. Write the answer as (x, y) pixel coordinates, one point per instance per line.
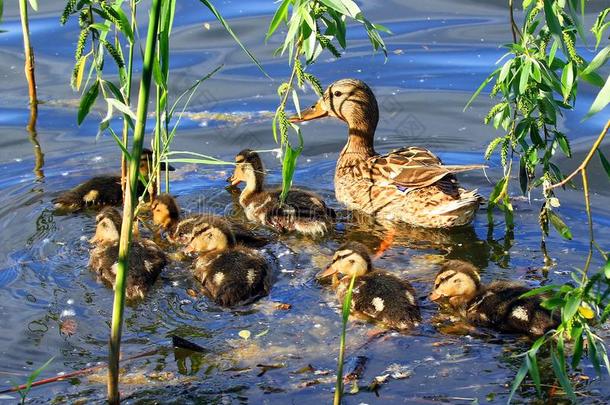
(587, 159)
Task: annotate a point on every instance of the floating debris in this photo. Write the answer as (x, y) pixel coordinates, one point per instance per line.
(182, 343)
(356, 366)
(266, 367)
(244, 334)
(399, 371)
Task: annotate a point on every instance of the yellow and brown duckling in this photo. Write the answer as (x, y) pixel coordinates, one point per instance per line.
(146, 259)
(166, 215)
(377, 295)
(303, 211)
(231, 274)
(409, 185)
(497, 305)
(102, 191)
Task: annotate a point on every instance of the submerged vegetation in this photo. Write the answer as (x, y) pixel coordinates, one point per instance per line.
(535, 85)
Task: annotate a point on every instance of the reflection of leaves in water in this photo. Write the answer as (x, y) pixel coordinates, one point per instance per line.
(45, 226)
(188, 361)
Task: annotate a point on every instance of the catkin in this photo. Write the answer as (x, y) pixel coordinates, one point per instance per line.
(494, 110)
(69, 9)
(315, 83)
(327, 44)
(80, 43)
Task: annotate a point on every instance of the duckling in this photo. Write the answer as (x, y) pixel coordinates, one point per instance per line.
(166, 215)
(231, 274)
(409, 185)
(377, 296)
(496, 305)
(302, 211)
(146, 259)
(103, 190)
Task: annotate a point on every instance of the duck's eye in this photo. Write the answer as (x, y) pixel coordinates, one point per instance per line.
(457, 281)
(338, 93)
(352, 261)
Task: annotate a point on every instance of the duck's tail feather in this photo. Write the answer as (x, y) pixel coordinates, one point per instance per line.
(463, 168)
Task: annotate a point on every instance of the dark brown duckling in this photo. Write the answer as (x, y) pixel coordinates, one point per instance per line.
(303, 211)
(377, 296)
(146, 259)
(231, 274)
(497, 305)
(166, 215)
(103, 190)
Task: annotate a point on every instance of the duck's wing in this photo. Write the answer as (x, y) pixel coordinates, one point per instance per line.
(415, 167)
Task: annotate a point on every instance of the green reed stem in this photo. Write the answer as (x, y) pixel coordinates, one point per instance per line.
(127, 84)
(129, 204)
(347, 303)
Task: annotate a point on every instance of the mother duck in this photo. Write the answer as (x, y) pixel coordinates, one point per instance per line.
(410, 184)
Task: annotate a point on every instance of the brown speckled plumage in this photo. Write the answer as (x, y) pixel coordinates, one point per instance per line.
(146, 259)
(409, 185)
(377, 296)
(101, 191)
(303, 211)
(496, 305)
(166, 214)
(231, 274)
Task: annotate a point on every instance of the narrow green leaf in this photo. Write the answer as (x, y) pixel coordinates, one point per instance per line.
(564, 144)
(592, 348)
(337, 5)
(553, 51)
(120, 143)
(497, 190)
(598, 61)
(87, 101)
(34, 4)
(602, 99)
(124, 26)
(560, 373)
(568, 312)
(605, 164)
(295, 100)
(525, 75)
(481, 87)
(518, 380)
(539, 290)
(578, 346)
(505, 70)
(280, 15)
(567, 80)
(226, 26)
(121, 107)
(532, 366)
(551, 18)
(523, 177)
(37, 372)
(1, 9)
(559, 225)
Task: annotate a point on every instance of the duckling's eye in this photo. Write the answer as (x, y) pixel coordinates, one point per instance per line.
(457, 281)
(352, 261)
(338, 93)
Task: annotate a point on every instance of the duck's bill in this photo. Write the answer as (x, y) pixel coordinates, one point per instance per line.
(233, 181)
(434, 296)
(311, 113)
(167, 167)
(330, 270)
